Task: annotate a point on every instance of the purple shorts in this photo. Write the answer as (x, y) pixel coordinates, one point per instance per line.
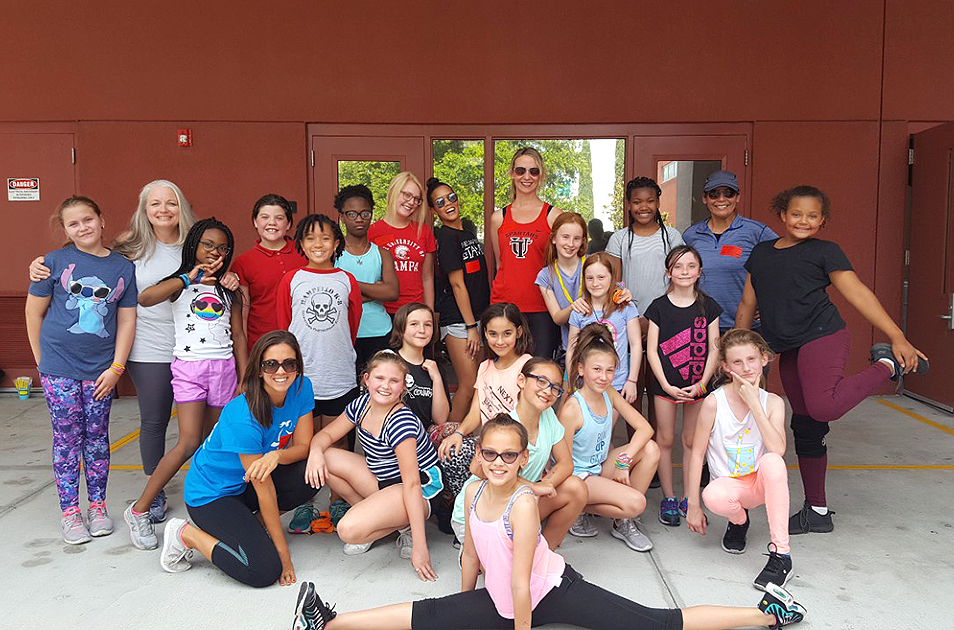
(212, 381)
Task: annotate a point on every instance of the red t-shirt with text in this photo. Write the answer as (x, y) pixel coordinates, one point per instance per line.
(409, 245)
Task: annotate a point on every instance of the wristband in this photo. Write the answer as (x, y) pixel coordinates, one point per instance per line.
(623, 461)
(629, 380)
(702, 387)
(470, 326)
(185, 279)
(458, 433)
(118, 368)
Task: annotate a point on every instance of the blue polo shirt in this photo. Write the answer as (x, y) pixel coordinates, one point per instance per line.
(723, 261)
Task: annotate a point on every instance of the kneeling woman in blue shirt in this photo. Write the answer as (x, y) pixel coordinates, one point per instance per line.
(253, 461)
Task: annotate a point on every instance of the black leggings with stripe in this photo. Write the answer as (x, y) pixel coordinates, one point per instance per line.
(245, 552)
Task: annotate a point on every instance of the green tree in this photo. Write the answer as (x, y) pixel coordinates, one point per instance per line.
(460, 164)
(619, 189)
(569, 173)
(374, 175)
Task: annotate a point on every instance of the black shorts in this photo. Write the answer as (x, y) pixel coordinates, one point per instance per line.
(425, 485)
(334, 407)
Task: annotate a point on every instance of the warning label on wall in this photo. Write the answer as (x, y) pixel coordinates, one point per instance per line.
(23, 189)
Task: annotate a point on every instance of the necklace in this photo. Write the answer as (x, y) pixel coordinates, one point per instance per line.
(359, 258)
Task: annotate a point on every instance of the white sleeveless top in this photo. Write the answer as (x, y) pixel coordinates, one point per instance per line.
(203, 324)
(735, 446)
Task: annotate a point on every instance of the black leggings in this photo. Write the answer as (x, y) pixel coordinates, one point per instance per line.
(575, 602)
(153, 383)
(546, 335)
(245, 552)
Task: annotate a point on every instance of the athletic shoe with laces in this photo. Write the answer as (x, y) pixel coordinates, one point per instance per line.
(627, 530)
(356, 549)
(780, 603)
(669, 512)
(99, 522)
(142, 532)
(338, 509)
(311, 613)
(808, 520)
(405, 542)
(684, 507)
(733, 540)
(777, 570)
(883, 351)
(175, 555)
(654, 483)
(584, 527)
(157, 509)
(74, 529)
(300, 522)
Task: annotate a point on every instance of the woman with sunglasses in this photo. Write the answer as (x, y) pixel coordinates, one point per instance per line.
(250, 470)
(519, 234)
(724, 242)
(403, 233)
(463, 291)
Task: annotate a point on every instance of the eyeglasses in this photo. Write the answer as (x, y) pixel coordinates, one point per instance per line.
(520, 170)
(211, 247)
(78, 288)
(352, 215)
(270, 366)
(544, 383)
(490, 455)
(715, 193)
(451, 197)
(406, 196)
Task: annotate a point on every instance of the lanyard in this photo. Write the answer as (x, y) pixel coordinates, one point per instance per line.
(556, 270)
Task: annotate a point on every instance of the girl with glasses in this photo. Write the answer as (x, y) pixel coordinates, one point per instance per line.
(403, 232)
(519, 234)
(248, 471)
(208, 358)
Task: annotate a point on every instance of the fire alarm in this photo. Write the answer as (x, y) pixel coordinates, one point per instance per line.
(184, 137)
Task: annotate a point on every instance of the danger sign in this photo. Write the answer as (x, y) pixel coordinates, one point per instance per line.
(23, 189)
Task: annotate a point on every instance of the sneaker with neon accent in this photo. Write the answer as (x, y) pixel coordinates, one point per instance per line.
(626, 530)
(74, 529)
(310, 612)
(157, 509)
(300, 522)
(142, 532)
(780, 603)
(669, 511)
(175, 555)
(684, 507)
(99, 522)
(584, 527)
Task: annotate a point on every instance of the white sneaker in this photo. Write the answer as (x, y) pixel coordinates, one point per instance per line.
(405, 542)
(142, 532)
(175, 555)
(351, 549)
(99, 522)
(74, 529)
(584, 527)
(626, 530)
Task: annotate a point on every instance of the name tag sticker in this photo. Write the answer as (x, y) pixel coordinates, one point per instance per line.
(731, 250)
(472, 266)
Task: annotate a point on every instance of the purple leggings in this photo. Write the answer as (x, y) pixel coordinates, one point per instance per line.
(80, 427)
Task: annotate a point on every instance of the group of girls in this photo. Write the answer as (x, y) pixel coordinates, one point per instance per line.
(343, 325)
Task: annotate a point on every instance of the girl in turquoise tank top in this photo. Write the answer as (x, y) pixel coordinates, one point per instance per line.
(616, 478)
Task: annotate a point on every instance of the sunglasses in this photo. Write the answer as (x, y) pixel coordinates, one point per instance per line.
(215, 306)
(544, 383)
(210, 246)
(406, 196)
(440, 202)
(520, 170)
(715, 193)
(270, 366)
(490, 455)
(78, 288)
(352, 215)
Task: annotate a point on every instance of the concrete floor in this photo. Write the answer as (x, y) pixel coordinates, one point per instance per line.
(888, 564)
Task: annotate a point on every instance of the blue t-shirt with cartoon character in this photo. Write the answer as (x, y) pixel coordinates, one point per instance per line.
(216, 469)
(78, 337)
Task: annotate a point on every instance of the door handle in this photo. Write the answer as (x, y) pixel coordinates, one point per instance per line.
(946, 316)
(950, 312)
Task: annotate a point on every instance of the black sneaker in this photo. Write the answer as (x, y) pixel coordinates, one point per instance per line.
(808, 520)
(733, 541)
(777, 570)
(443, 511)
(779, 602)
(654, 483)
(883, 351)
(706, 477)
(310, 612)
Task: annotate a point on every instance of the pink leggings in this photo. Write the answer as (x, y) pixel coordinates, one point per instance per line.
(731, 496)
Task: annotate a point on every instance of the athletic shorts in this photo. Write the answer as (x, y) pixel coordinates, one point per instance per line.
(432, 482)
(212, 381)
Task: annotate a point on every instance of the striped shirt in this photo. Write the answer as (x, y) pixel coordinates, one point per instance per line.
(379, 450)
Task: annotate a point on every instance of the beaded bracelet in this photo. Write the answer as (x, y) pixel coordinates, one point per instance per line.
(118, 368)
(623, 461)
(702, 387)
(185, 279)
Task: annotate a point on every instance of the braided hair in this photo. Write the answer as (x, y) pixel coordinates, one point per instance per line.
(318, 222)
(189, 259)
(647, 182)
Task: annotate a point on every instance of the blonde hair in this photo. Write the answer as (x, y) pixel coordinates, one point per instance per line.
(140, 239)
(394, 199)
(536, 158)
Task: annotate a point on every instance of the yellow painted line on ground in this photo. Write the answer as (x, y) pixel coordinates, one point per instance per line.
(123, 441)
(917, 417)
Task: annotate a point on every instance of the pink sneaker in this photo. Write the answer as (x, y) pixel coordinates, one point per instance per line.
(74, 529)
(99, 522)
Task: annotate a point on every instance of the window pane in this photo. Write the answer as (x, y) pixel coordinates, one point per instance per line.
(460, 164)
(681, 182)
(373, 174)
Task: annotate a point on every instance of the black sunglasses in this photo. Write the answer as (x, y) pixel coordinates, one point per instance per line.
(715, 193)
(490, 455)
(270, 366)
(520, 170)
(78, 288)
(543, 383)
(451, 197)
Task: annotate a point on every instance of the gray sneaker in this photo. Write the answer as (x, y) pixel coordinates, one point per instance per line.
(175, 555)
(142, 532)
(626, 530)
(99, 522)
(584, 527)
(356, 549)
(74, 529)
(405, 542)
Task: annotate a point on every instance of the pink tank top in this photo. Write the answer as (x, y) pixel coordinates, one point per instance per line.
(494, 544)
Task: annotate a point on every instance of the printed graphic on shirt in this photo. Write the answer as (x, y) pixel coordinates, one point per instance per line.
(207, 308)
(322, 307)
(600, 455)
(731, 250)
(609, 325)
(741, 457)
(89, 295)
(285, 430)
(472, 250)
(407, 254)
(520, 243)
(686, 350)
(494, 401)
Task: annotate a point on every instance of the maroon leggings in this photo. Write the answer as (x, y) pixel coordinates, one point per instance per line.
(813, 376)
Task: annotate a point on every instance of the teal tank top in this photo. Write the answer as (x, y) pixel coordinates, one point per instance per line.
(591, 442)
(375, 321)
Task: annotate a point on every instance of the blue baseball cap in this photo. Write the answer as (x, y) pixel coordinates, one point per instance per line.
(721, 178)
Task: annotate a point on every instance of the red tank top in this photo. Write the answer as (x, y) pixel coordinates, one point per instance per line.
(522, 249)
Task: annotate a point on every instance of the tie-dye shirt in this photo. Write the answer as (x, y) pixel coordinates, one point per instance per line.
(683, 339)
